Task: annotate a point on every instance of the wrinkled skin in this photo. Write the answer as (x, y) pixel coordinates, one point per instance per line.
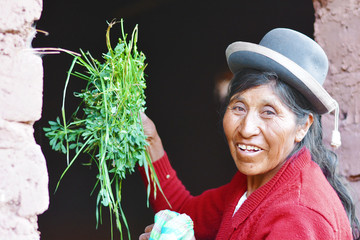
(261, 132)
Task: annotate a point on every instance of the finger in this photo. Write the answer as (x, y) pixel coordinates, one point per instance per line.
(149, 228)
(144, 236)
(144, 117)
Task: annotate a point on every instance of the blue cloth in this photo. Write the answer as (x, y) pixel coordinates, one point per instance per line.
(170, 225)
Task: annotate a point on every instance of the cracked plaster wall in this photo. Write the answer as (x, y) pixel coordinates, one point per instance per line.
(23, 173)
(337, 31)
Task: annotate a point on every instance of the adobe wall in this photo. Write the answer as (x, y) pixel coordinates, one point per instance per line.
(23, 173)
(337, 31)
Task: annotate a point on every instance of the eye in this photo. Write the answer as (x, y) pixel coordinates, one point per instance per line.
(268, 111)
(237, 108)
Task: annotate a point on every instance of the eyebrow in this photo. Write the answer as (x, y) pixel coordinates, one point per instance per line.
(236, 97)
(272, 102)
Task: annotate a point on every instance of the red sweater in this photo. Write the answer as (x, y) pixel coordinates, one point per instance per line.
(297, 203)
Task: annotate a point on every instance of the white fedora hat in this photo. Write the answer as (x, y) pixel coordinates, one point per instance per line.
(297, 59)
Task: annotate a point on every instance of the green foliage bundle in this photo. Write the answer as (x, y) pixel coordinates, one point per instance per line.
(107, 124)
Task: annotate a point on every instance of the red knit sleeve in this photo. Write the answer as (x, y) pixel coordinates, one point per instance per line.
(205, 210)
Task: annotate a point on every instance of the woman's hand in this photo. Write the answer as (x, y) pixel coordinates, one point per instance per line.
(146, 234)
(155, 148)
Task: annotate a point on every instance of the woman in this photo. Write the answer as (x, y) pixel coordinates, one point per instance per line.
(286, 186)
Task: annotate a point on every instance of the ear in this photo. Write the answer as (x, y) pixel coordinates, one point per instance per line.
(303, 129)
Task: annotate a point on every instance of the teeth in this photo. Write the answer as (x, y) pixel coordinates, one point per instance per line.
(249, 148)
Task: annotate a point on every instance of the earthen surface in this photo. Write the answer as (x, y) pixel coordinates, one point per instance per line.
(337, 31)
(23, 173)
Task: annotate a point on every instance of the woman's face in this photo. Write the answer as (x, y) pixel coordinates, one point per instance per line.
(261, 131)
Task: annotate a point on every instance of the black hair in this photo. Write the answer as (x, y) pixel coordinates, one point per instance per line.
(313, 140)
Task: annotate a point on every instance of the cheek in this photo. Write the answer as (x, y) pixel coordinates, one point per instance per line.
(226, 125)
(281, 138)
(229, 125)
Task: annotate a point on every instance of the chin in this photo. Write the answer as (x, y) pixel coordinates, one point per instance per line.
(248, 169)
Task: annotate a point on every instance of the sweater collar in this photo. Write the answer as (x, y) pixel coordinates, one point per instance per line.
(289, 170)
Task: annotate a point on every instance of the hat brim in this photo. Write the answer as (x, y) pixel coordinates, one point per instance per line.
(242, 55)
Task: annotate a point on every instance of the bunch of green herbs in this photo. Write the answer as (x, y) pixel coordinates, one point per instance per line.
(107, 124)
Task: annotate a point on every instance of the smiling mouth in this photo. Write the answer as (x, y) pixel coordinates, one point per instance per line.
(248, 148)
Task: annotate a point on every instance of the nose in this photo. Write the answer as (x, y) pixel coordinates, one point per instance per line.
(250, 125)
